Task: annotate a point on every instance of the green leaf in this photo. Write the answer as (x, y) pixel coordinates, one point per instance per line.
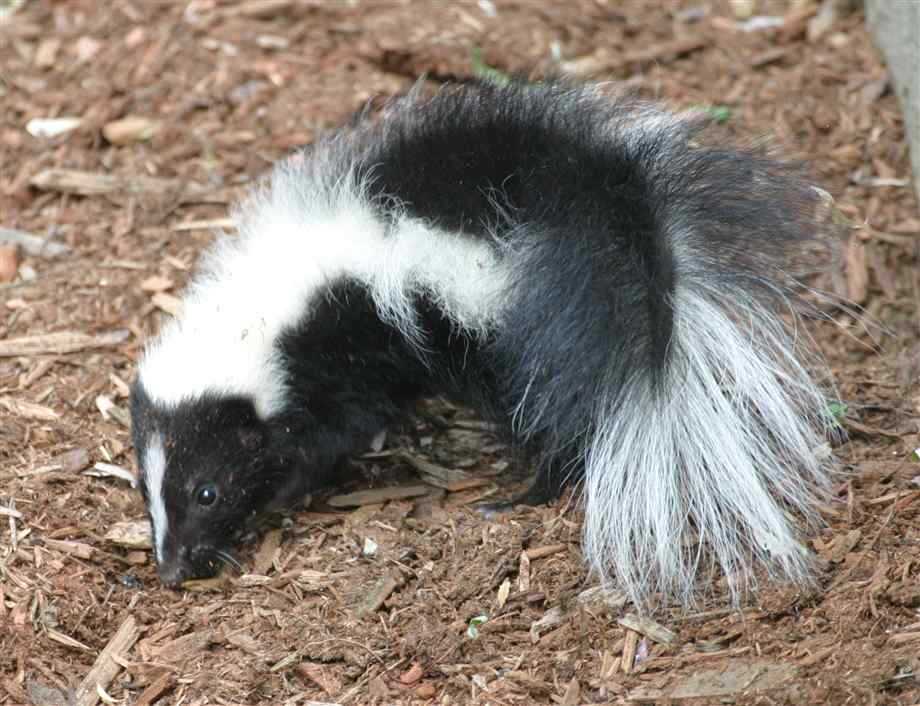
(720, 113)
(488, 73)
(837, 410)
(472, 630)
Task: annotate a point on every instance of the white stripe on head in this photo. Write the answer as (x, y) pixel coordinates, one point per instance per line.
(154, 465)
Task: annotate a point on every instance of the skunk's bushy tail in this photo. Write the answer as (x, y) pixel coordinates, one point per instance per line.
(690, 387)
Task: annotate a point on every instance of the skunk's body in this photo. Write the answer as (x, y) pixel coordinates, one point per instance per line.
(572, 264)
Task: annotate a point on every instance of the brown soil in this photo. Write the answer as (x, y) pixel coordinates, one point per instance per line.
(233, 86)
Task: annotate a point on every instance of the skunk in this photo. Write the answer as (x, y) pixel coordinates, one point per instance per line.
(621, 296)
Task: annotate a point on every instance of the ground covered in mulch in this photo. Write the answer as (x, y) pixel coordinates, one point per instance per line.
(420, 599)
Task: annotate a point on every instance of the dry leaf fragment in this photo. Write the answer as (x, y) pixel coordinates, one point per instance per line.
(503, 592)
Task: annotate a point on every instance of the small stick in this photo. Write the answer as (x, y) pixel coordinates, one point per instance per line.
(629, 651)
(60, 342)
(105, 668)
(648, 627)
(72, 181)
(548, 550)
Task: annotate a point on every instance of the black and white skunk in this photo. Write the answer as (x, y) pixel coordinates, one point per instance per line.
(580, 267)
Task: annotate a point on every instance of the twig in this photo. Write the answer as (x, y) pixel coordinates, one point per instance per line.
(105, 668)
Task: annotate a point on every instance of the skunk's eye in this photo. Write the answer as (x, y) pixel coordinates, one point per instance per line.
(206, 495)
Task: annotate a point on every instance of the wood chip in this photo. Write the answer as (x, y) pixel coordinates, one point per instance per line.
(628, 658)
(45, 695)
(524, 573)
(841, 546)
(130, 129)
(857, 270)
(377, 495)
(46, 52)
(9, 262)
(67, 640)
(321, 675)
(213, 224)
(265, 556)
(599, 596)
(375, 599)
(451, 480)
(184, 648)
(572, 695)
(550, 620)
(733, 679)
(134, 534)
(503, 591)
(770, 56)
(211, 585)
(77, 549)
(72, 461)
(156, 689)
(648, 627)
(167, 302)
(157, 283)
(904, 638)
(60, 343)
(259, 9)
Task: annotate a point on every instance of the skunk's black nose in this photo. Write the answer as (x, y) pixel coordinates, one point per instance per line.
(172, 574)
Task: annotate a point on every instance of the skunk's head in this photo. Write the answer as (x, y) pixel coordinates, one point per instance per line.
(208, 469)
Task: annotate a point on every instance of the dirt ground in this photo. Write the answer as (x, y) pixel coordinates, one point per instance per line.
(418, 600)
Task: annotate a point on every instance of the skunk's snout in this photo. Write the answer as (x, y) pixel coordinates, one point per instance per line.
(196, 563)
(173, 573)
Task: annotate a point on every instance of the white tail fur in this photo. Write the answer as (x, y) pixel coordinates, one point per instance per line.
(718, 452)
